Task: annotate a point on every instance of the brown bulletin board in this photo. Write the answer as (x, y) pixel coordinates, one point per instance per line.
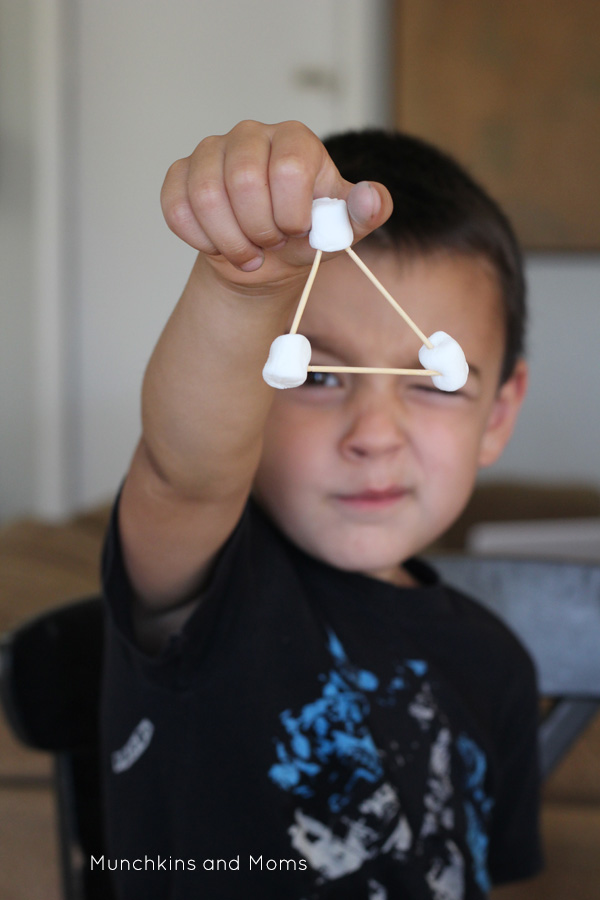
(512, 89)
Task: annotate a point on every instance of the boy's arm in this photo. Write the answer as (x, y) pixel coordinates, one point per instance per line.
(244, 201)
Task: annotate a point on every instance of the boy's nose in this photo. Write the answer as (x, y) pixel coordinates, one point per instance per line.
(376, 429)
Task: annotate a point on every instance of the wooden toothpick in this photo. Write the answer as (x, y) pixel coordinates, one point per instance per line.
(370, 370)
(385, 293)
(307, 289)
(365, 370)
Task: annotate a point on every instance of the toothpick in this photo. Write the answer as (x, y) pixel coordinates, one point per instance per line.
(307, 289)
(369, 370)
(361, 265)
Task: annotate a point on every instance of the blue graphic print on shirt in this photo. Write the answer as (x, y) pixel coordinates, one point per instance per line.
(327, 750)
(477, 806)
(334, 728)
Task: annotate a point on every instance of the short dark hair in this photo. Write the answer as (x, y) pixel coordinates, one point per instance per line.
(438, 206)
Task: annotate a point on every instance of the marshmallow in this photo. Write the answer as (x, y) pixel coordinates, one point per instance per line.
(447, 358)
(331, 229)
(287, 365)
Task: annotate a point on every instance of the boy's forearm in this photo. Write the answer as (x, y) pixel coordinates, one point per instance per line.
(204, 405)
(204, 402)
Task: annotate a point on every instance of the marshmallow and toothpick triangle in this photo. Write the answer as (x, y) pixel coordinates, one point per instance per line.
(288, 364)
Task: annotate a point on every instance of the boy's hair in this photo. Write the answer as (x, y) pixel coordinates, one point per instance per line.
(438, 206)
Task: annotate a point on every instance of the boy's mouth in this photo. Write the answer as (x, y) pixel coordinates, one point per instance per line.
(373, 499)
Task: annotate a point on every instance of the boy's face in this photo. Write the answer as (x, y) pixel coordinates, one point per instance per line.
(364, 471)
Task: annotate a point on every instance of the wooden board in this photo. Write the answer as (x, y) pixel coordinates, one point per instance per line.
(513, 90)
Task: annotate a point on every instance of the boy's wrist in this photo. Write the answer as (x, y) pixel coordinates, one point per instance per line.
(272, 282)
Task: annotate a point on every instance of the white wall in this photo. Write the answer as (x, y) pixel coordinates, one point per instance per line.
(96, 100)
(16, 218)
(558, 435)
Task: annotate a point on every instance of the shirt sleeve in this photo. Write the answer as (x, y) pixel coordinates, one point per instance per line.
(116, 586)
(119, 594)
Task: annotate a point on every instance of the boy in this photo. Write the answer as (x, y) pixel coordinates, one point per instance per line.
(294, 706)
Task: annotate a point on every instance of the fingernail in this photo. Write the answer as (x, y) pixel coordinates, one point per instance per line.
(374, 197)
(364, 202)
(253, 264)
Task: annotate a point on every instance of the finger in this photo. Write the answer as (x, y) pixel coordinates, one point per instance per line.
(212, 208)
(177, 209)
(246, 167)
(369, 205)
(298, 163)
(303, 170)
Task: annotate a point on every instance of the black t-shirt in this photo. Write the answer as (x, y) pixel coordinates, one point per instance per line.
(314, 733)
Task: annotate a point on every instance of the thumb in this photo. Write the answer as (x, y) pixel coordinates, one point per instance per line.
(369, 205)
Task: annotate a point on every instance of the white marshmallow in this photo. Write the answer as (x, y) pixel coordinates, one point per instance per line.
(287, 365)
(446, 357)
(331, 229)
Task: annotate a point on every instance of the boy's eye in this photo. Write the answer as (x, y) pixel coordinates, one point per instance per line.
(426, 388)
(322, 379)
(431, 390)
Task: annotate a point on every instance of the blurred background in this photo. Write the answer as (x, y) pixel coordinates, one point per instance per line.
(96, 101)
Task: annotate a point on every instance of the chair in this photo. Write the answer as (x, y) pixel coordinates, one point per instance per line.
(554, 607)
(50, 670)
(50, 683)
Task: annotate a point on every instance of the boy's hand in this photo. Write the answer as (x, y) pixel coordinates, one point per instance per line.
(244, 199)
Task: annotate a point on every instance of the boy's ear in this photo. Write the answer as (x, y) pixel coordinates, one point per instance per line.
(504, 414)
